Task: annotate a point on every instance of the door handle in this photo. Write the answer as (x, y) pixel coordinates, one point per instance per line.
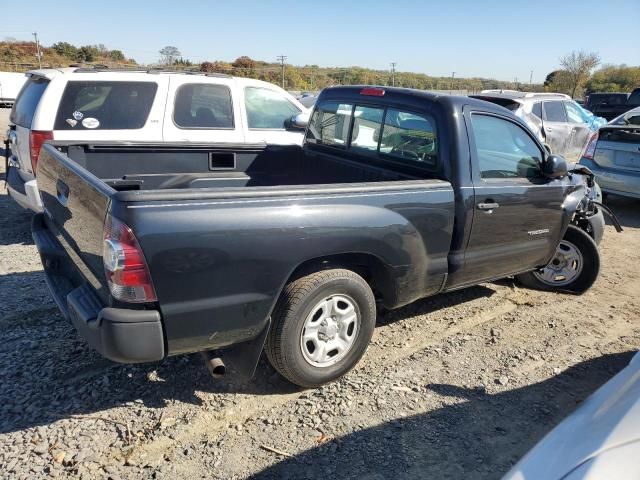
(548, 129)
(488, 206)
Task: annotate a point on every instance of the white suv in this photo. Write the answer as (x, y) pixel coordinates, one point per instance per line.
(144, 106)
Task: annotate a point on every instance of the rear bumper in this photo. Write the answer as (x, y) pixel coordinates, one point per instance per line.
(119, 334)
(25, 193)
(615, 181)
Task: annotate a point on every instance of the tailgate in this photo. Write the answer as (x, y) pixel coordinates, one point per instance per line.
(75, 205)
(618, 147)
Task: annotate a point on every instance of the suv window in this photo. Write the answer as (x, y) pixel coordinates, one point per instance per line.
(203, 106)
(554, 112)
(504, 149)
(329, 124)
(537, 110)
(105, 105)
(409, 137)
(267, 108)
(27, 101)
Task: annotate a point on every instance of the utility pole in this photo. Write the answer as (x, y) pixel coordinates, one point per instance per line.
(453, 76)
(281, 59)
(38, 53)
(393, 73)
(313, 70)
(515, 80)
(531, 79)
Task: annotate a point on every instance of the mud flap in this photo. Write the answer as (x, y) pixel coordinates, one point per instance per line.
(242, 359)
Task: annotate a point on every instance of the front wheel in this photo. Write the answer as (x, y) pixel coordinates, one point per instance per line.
(574, 267)
(322, 325)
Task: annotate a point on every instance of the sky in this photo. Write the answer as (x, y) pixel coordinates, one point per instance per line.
(483, 38)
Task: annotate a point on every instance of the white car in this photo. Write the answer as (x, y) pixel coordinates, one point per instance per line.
(10, 85)
(85, 105)
(599, 441)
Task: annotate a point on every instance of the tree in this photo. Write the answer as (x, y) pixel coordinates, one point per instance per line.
(117, 55)
(578, 66)
(612, 78)
(169, 54)
(65, 49)
(558, 81)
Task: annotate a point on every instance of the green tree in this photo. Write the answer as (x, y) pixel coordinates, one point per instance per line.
(612, 78)
(65, 49)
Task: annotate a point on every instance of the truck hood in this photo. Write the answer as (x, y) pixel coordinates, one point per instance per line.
(607, 420)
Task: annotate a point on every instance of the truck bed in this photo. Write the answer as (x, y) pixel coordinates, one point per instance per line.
(144, 167)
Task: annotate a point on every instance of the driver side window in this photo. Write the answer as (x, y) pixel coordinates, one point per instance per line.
(504, 149)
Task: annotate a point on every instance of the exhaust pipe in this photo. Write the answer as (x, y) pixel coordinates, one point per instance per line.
(214, 364)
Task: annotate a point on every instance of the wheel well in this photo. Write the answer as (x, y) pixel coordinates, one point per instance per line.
(373, 270)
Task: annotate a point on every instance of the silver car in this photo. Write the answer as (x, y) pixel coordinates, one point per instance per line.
(600, 440)
(562, 125)
(613, 154)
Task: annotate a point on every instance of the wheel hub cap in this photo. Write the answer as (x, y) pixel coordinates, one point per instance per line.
(565, 267)
(329, 331)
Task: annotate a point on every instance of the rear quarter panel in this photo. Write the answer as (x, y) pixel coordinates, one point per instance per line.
(219, 265)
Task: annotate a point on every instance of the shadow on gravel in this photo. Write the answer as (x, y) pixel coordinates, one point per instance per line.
(626, 209)
(429, 305)
(481, 436)
(15, 226)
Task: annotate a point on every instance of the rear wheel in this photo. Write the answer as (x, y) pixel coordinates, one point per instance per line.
(322, 325)
(574, 267)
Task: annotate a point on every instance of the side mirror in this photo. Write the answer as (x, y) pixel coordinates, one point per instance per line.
(554, 166)
(298, 122)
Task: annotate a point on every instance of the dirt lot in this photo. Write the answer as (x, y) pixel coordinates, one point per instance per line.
(456, 386)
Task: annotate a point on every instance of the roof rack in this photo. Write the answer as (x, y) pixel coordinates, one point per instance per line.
(104, 68)
(543, 94)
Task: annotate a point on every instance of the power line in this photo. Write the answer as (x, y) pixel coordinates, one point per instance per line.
(281, 59)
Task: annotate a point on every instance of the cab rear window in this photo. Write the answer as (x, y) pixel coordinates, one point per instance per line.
(27, 101)
(105, 105)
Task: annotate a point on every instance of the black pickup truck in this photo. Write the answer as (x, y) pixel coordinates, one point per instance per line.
(612, 105)
(157, 250)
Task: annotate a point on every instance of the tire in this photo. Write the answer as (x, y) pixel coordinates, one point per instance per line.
(332, 308)
(583, 267)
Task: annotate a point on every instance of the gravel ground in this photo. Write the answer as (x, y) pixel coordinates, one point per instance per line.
(456, 386)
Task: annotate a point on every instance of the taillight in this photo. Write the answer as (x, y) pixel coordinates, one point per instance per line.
(590, 151)
(36, 139)
(124, 264)
(372, 92)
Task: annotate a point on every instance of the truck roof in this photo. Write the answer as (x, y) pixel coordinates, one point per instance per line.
(404, 95)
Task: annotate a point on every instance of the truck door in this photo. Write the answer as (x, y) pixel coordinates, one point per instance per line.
(556, 130)
(518, 217)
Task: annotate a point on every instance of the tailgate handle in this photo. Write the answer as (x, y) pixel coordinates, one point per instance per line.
(62, 193)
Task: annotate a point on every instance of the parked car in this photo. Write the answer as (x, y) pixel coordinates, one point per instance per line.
(90, 105)
(308, 99)
(10, 85)
(600, 440)
(560, 123)
(613, 154)
(611, 105)
(156, 250)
